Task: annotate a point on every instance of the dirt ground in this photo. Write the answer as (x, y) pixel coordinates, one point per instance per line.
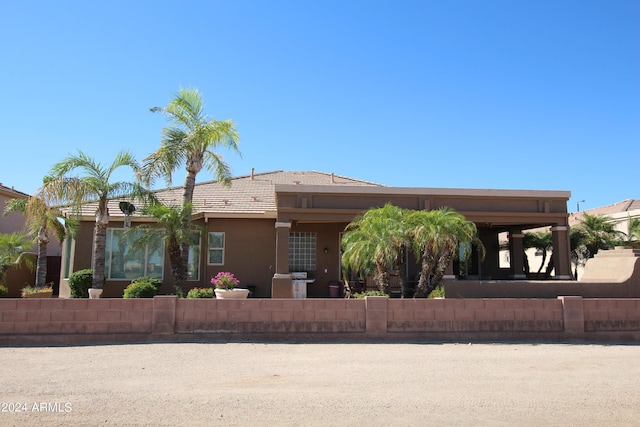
(321, 384)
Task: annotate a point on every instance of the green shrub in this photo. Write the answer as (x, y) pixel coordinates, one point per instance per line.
(155, 282)
(361, 295)
(3, 291)
(80, 283)
(438, 292)
(140, 290)
(200, 293)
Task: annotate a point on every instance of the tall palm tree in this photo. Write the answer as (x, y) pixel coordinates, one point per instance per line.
(93, 185)
(170, 230)
(41, 219)
(191, 139)
(373, 243)
(436, 236)
(13, 248)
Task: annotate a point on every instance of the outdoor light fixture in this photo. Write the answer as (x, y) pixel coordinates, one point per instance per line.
(578, 205)
(127, 209)
(326, 250)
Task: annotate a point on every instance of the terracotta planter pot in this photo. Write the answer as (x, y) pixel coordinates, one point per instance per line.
(231, 293)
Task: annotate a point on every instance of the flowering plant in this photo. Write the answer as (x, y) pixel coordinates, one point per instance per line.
(225, 280)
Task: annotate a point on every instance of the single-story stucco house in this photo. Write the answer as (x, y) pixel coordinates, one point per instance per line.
(264, 226)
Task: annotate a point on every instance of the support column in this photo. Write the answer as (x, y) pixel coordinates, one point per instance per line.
(561, 252)
(516, 254)
(281, 284)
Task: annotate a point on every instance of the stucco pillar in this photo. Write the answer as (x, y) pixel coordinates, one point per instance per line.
(281, 285)
(561, 252)
(516, 254)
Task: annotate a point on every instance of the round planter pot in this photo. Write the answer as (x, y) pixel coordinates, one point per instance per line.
(231, 293)
(94, 293)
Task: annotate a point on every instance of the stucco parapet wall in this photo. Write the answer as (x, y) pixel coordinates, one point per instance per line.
(423, 191)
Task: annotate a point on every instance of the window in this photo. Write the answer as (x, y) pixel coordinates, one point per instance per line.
(125, 259)
(193, 270)
(302, 251)
(216, 248)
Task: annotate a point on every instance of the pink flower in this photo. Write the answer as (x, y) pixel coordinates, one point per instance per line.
(225, 280)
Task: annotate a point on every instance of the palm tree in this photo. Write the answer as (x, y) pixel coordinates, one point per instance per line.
(633, 234)
(541, 241)
(373, 243)
(192, 139)
(94, 185)
(436, 236)
(579, 252)
(13, 248)
(40, 220)
(598, 232)
(171, 231)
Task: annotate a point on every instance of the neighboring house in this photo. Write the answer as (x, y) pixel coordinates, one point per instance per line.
(15, 221)
(265, 226)
(619, 213)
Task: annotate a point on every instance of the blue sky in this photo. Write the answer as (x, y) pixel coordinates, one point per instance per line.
(458, 93)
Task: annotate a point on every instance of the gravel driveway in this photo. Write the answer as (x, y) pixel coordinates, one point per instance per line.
(321, 384)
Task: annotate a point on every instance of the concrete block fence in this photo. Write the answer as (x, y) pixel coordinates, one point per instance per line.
(375, 319)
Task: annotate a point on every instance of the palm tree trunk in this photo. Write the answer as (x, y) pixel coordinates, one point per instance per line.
(443, 262)
(175, 260)
(550, 267)
(189, 186)
(187, 198)
(427, 268)
(544, 259)
(381, 278)
(41, 269)
(99, 246)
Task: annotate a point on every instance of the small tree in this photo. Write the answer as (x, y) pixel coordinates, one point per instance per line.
(597, 232)
(541, 241)
(436, 237)
(41, 219)
(94, 185)
(172, 229)
(13, 250)
(373, 243)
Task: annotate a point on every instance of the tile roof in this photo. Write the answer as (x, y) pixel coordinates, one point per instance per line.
(12, 192)
(620, 207)
(247, 195)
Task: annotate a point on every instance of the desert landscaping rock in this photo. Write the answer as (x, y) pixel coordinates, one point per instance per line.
(321, 384)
